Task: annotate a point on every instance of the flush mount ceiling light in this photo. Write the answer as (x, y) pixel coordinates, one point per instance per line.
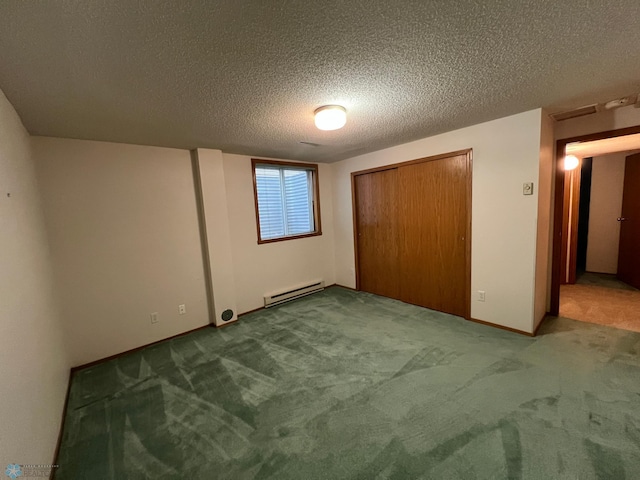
(331, 117)
(571, 162)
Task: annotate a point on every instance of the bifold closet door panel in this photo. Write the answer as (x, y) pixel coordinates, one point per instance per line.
(376, 203)
(432, 231)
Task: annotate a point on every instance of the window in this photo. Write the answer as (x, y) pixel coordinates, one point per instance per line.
(286, 197)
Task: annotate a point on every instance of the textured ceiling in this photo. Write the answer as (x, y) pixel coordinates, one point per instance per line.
(246, 76)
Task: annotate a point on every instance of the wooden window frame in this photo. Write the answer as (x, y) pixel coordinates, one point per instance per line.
(313, 168)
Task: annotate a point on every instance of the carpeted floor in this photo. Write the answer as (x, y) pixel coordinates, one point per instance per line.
(603, 280)
(602, 299)
(347, 385)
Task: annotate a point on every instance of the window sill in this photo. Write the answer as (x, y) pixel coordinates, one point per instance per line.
(292, 237)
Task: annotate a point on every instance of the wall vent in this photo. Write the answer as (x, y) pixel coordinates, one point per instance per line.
(576, 112)
(293, 293)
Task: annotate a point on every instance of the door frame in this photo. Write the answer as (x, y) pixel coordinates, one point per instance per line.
(559, 235)
(468, 152)
(570, 209)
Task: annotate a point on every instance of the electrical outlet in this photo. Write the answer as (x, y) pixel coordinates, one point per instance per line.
(154, 317)
(182, 309)
(481, 295)
(527, 188)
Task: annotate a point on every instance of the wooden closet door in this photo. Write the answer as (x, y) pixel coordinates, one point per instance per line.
(376, 210)
(433, 228)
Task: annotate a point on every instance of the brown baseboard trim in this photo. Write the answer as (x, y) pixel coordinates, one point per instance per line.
(502, 327)
(343, 286)
(535, 332)
(56, 454)
(106, 359)
(226, 324)
(250, 311)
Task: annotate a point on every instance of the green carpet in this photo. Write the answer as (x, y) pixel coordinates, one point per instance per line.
(348, 385)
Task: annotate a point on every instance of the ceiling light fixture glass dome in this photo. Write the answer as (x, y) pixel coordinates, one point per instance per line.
(331, 117)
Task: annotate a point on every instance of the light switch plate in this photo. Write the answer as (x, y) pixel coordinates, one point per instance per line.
(527, 188)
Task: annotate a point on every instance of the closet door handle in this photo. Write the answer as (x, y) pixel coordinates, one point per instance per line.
(621, 219)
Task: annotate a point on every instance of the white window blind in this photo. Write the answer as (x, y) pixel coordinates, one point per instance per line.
(285, 201)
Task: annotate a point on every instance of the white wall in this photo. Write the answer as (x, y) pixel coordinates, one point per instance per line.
(34, 366)
(544, 237)
(506, 153)
(125, 242)
(266, 268)
(209, 167)
(598, 122)
(607, 182)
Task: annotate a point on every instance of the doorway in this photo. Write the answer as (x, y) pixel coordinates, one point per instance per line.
(593, 280)
(412, 229)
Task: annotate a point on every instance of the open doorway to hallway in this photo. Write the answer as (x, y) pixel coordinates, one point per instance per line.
(600, 271)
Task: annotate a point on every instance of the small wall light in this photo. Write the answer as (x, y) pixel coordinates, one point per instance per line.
(571, 162)
(331, 117)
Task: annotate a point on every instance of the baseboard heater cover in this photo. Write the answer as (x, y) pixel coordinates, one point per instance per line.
(291, 294)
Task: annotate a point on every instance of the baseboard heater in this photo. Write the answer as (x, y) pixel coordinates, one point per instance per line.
(292, 294)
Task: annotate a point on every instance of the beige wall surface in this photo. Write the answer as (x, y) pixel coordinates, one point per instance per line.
(34, 366)
(125, 242)
(506, 153)
(270, 267)
(209, 165)
(598, 122)
(607, 182)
